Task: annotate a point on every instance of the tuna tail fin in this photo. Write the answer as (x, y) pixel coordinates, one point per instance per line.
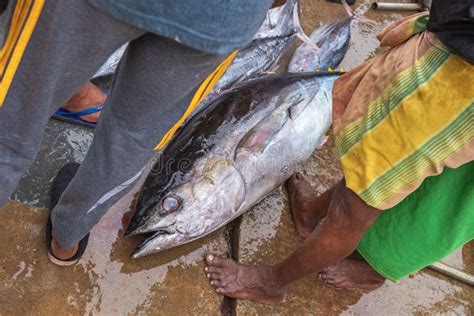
(287, 8)
(348, 9)
(354, 15)
(298, 29)
(363, 19)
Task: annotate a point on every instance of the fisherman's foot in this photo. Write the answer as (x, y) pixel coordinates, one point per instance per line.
(61, 253)
(88, 96)
(57, 255)
(304, 205)
(352, 274)
(255, 283)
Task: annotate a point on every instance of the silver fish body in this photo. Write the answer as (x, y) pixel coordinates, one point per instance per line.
(332, 41)
(257, 59)
(231, 155)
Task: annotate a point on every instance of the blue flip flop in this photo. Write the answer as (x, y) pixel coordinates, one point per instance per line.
(75, 117)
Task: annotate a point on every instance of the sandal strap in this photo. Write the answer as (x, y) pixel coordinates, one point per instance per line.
(87, 111)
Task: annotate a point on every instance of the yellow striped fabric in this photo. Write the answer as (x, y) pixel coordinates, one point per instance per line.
(206, 86)
(403, 29)
(23, 23)
(420, 120)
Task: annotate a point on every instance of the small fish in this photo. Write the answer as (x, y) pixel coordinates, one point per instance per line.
(332, 42)
(262, 56)
(279, 21)
(230, 155)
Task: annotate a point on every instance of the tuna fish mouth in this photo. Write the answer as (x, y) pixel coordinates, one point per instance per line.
(138, 251)
(143, 227)
(134, 227)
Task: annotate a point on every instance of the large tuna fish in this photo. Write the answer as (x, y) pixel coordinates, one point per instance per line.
(332, 42)
(230, 155)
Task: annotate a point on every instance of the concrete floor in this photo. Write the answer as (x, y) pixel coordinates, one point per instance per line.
(62, 143)
(108, 282)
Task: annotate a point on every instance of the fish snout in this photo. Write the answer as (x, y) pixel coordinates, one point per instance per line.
(160, 241)
(146, 224)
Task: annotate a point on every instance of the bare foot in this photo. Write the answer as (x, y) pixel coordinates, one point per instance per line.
(88, 96)
(63, 254)
(352, 274)
(255, 283)
(304, 205)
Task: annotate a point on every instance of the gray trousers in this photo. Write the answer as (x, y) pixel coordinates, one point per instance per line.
(152, 88)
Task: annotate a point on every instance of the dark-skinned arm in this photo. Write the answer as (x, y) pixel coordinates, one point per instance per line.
(335, 238)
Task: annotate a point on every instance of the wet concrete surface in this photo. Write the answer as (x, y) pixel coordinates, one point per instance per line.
(462, 259)
(108, 282)
(62, 143)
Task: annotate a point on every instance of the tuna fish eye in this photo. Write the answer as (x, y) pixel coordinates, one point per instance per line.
(171, 203)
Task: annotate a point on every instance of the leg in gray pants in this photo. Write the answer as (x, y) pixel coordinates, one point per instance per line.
(153, 86)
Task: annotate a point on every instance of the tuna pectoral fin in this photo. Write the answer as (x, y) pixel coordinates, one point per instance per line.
(261, 135)
(295, 110)
(258, 138)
